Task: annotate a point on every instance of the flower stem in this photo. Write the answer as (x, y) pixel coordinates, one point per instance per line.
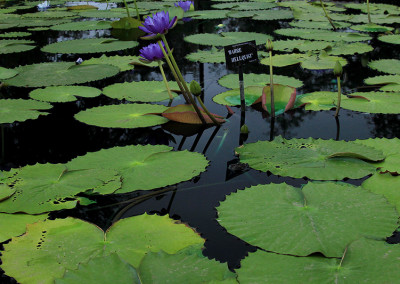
(327, 16)
(207, 112)
(137, 11)
(127, 10)
(369, 15)
(271, 87)
(165, 79)
(339, 97)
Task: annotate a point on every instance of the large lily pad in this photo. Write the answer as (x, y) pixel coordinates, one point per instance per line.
(394, 39)
(371, 28)
(15, 45)
(273, 15)
(373, 102)
(51, 247)
(48, 187)
(89, 45)
(145, 167)
(227, 38)
(320, 61)
(207, 14)
(15, 34)
(313, 158)
(207, 56)
(391, 66)
(13, 225)
(365, 261)
(82, 26)
(7, 73)
(124, 63)
(384, 79)
(244, 6)
(185, 113)
(60, 73)
(300, 45)
(319, 100)
(60, 94)
(318, 25)
(323, 35)
(20, 110)
(232, 81)
(281, 213)
(123, 116)
(143, 91)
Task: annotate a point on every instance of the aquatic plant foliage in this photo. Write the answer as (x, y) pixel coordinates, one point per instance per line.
(7, 73)
(318, 100)
(15, 34)
(12, 110)
(315, 34)
(281, 213)
(372, 102)
(320, 61)
(13, 225)
(316, 159)
(208, 14)
(124, 63)
(82, 26)
(226, 38)
(394, 39)
(251, 79)
(391, 66)
(60, 94)
(15, 45)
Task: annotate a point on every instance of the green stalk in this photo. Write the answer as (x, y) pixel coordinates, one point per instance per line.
(339, 97)
(271, 87)
(173, 72)
(326, 14)
(369, 15)
(207, 112)
(137, 11)
(165, 80)
(127, 10)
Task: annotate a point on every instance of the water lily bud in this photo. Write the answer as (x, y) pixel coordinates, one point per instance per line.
(269, 45)
(191, 7)
(338, 70)
(195, 88)
(244, 129)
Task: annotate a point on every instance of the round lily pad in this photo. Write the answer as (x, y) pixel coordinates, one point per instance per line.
(227, 38)
(394, 39)
(124, 63)
(282, 60)
(324, 35)
(7, 73)
(59, 94)
(50, 14)
(15, 45)
(384, 79)
(391, 66)
(60, 73)
(89, 45)
(322, 62)
(318, 25)
(15, 34)
(232, 97)
(82, 26)
(364, 261)
(13, 225)
(372, 102)
(231, 81)
(299, 44)
(273, 15)
(316, 159)
(123, 116)
(318, 100)
(50, 248)
(143, 91)
(391, 88)
(342, 48)
(371, 28)
(144, 167)
(207, 14)
(281, 213)
(12, 110)
(207, 56)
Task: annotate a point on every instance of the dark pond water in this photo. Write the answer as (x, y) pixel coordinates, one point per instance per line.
(58, 137)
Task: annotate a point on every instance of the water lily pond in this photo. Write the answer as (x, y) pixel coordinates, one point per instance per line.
(132, 153)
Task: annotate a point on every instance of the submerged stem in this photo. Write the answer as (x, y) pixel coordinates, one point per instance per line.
(327, 16)
(165, 79)
(127, 10)
(339, 97)
(271, 87)
(369, 15)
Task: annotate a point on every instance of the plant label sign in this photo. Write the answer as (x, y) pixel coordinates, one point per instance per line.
(240, 53)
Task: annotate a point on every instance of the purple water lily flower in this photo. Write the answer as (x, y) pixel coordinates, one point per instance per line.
(185, 5)
(150, 53)
(158, 24)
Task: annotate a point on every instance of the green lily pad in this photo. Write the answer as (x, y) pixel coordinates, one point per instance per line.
(389, 147)
(391, 66)
(244, 6)
(186, 266)
(15, 45)
(7, 73)
(82, 26)
(384, 79)
(38, 22)
(341, 48)
(50, 248)
(104, 269)
(386, 185)
(5, 192)
(232, 97)
(282, 60)
(124, 63)
(318, 25)
(103, 14)
(231, 81)
(207, 14)
(365, 261)
(375, 18)
(391, 88)
(242, 14)
(60, 74)
(371, 28)
(322, 62)
(12, 110)
(316, 159)
(15, 34)
(50, 187)
(319, 100)
(207, 56)
(50, 14)
(60, 94)
(38, 29)
(372, 102)
(273, 15)
(143, 91)
(13, 225)
(144, 167)
(227, 38)
(300, 44)
(7, 26)
(123, 116)
(375, 8)
(126, 23)
(394, 39)
(324, 35)
(281, 213)
(89, 45)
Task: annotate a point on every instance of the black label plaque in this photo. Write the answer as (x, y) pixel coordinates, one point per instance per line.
(240, 53)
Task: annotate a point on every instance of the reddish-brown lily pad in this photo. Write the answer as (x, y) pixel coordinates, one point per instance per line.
(187, 114)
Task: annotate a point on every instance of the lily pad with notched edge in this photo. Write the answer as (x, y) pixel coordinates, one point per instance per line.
(89, 45)
(384, 79)
(318, 25)
(227, 38)
(231, 80)
(49, 187)
(280, 213)
(273, 15)
(364, 261)
(207, 56)
(82, 26)
(316, 159)
(7, 73)
(15, 45)
(391, 66)
(15, 34)
(123, 116)
(324, 35)
(371, 28)
(50, 248)
(13, 225)
(372, 102)
(60, 74)
(124, 63)
(207, 14)
(145, 167)
(143, 91)
(59, 94)
(394, 39)
(20, 110)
